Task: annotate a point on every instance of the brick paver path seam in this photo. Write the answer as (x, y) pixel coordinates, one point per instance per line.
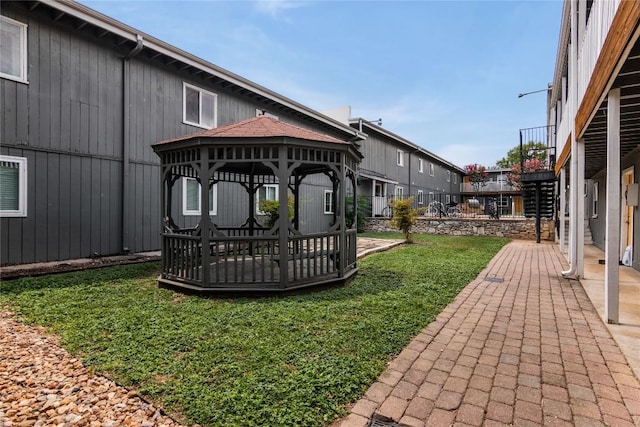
(529, 350)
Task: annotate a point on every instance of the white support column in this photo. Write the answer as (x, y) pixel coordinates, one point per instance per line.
(563, 208)
(574, 190)
(580, 210)
(612, 236)
(582, 18)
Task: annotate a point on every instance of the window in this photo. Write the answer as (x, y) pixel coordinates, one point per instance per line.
(13, 49)
(420, 166)
(448, 176)
(13, 186)
(400, 158)
(200, 107)
(447, 199)
(266, 192)
(191, 197)
(432, 169)
(420, 197)
(594, 209)
(399, 192)
(328, 201)
(455, 178)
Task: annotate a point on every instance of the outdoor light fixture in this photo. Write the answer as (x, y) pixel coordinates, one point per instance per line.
(520, 95)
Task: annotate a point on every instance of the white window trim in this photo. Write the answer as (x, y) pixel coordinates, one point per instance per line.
(420, 197)
(399, 192)
(324, 207)
(455, 178)
(400, 158)
(186, 85)
(448, 176)
(594, 202)
(432, 169)
(420, 166)
(447, 199)
(23, 52)
(258, 211)
(213, 195)
(22, 187)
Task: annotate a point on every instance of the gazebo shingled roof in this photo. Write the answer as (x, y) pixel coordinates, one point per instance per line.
(258, 127)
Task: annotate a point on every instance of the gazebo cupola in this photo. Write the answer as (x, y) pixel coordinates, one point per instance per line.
(216, 238)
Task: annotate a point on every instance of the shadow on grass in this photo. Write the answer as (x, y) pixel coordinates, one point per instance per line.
(95, 277)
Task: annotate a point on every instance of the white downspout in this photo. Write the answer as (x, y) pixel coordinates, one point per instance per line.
(574, 191)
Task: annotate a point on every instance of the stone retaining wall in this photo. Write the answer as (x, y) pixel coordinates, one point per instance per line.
(521, 228)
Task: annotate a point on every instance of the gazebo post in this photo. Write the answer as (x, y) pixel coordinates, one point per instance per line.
(283, 216)
(205, 231)
(343, 219)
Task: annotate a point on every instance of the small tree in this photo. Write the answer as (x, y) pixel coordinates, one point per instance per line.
(404, 217)
(514, 178)
(530, 150)
(478, 176)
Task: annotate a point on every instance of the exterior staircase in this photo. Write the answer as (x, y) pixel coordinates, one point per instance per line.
(588, 238)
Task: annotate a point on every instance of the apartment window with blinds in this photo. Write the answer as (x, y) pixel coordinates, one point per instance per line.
(13, 186)
(191, 198)
(13, 49)
(200, 107)
(399, 192)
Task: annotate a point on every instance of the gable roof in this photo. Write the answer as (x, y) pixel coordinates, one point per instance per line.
(258, 127)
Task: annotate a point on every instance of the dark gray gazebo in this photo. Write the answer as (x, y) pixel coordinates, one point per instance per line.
(249, 255)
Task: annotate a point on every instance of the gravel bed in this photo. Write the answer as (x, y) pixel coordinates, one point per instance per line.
(43, 385)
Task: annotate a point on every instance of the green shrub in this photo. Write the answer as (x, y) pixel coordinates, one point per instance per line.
(404, 217)
(271, 208)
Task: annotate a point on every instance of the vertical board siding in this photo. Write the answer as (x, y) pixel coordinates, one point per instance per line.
(68, 123)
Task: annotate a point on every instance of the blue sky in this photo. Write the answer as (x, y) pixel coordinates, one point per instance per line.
(443, 74)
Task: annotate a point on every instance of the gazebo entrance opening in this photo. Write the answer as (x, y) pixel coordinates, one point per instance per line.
(277, 210)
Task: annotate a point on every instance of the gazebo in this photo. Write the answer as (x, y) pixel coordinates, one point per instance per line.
(222, 241)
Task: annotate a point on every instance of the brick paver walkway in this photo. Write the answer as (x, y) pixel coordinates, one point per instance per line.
(526, 350)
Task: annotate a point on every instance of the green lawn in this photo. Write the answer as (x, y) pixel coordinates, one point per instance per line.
(295, 360)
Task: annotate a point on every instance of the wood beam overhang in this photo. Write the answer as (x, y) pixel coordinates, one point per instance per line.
(564, 155)
(622, 30)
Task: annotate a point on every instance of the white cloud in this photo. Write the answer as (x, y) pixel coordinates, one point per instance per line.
(274, 8)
